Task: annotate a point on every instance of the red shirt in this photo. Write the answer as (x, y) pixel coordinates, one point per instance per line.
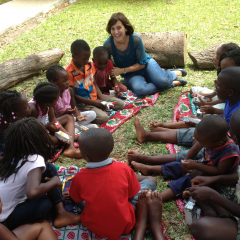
(106, 191)
(101, 82)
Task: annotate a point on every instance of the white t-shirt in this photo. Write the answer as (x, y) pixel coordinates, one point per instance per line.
(13, 192)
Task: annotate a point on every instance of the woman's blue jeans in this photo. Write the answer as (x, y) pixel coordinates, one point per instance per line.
(157, 77)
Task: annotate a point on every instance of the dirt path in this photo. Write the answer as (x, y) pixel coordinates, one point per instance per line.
(13, 34)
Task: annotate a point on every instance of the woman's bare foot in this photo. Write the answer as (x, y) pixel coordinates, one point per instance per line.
(141, 132)
(141, 216)
(72, 152)
(134, 156)
(154, 206)
(144, 169)
(64, 218)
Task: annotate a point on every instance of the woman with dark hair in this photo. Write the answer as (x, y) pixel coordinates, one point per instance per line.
(126, 50)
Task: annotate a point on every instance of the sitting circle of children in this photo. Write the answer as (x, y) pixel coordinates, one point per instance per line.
(113, 199)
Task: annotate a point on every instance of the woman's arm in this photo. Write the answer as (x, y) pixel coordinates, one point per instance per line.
(117, 71)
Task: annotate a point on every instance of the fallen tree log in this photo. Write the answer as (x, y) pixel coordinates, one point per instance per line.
(204, 59)
(169, 49)
(18, 69)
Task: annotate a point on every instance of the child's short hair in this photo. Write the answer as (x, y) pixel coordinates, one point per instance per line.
(234, 55)
(231, 78)
(52, 71)
(45, 92)
(78, 46)
(98, 51)
(213, 127)
(97, 143)
(9, 103)
(23, 138)
(227, 47)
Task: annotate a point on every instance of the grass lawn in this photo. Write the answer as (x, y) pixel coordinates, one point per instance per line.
(205, 22)
(4, 1)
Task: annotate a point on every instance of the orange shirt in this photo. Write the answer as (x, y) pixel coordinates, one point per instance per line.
(83, 83)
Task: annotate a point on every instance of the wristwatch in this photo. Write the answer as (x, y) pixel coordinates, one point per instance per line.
(125, 71)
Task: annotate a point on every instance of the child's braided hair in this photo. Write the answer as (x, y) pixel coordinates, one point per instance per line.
(45, 92)
(52, 72)
(234, 55)
(9, 103)
(23, 138)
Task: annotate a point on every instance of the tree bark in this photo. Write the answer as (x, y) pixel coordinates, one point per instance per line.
(18, 69)
(169, 49)
(204, 59)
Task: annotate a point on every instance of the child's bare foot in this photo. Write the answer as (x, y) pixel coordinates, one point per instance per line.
(141, 132)
(154, 206)
(141, 216)
(64, 218)
(72, 152)
(155, 123)
(144, 169)
(134, 156)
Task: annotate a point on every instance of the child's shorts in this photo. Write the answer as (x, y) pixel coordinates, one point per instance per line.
(181, 155)
(184, 137)
(145, 184)
(174, 172)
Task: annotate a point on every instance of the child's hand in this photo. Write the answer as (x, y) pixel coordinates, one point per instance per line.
(51, 127)
(209, 95)
(202, 180)
(207, 109)
(66, 195)
(191, 124)
(116, 92)
(189, 164)
(202, 103)
(69, 111)
(201, 194)
(55, 181)
(81, 118)
(98, 104)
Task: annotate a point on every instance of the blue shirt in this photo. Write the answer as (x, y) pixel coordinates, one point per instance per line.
(229, 110)
(135, 52)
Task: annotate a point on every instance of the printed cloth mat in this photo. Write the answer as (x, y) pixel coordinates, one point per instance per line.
(184, 107)
(133, 104)
(78, 232)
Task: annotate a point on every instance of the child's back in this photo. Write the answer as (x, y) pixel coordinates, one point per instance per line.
(106, 186)
(106, 189)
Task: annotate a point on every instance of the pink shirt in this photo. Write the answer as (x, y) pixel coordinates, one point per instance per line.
(63, 102)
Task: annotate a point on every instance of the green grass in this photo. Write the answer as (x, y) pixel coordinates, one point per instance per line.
(3, 1)
(205, 22)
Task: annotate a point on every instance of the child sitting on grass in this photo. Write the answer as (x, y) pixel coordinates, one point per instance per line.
(13, 106)
(110, 189)
(219, 210)
(81, 77)
(45, 97)
(66, 103)
(229, 59)
(221, 156)
(227, 88)
(103, 66)
(30, 187)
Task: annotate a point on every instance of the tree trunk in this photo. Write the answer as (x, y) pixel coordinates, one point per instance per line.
(204, 59)
(18, 69)
(169, 49)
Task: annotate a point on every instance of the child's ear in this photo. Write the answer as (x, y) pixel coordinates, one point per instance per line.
(220, 143)
(230, 92)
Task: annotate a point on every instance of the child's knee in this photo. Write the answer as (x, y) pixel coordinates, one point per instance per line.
(153, 179)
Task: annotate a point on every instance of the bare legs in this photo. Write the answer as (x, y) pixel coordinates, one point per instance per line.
(153, 160)
(149, 208)
(64, 218)
(67, 122)
(211, 227)
(163, 136)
